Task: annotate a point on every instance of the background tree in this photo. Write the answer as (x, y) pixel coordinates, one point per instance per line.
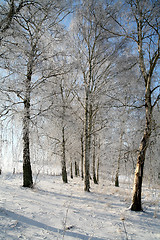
(66, 99)
(95, 55)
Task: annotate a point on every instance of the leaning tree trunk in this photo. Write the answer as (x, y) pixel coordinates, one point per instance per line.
(27, 172)
(137, 190)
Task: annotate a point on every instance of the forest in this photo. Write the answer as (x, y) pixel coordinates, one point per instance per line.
(80, 92)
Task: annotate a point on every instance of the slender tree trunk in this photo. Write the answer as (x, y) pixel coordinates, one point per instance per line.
(76, 169)
(137, 189)
(117, 172)
(71, 171)
(27, 172)
(98, 162)
(98, 171)
(117, 178)
(82, 157)
(87, 153)
(118, 162)
(88, 127)
(64, 172)
(94, 161)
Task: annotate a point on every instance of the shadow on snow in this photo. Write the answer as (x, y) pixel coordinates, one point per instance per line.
(28, 221)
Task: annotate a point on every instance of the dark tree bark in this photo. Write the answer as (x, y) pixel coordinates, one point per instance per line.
(27, 172)
(82, 158)
(119, 159)
(94, 162)
(64, 171)
(98, 171)
(117, 180)
(71, 171)
(87, 150)
(76, 169)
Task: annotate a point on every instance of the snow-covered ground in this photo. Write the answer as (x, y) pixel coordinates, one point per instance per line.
(53, 210)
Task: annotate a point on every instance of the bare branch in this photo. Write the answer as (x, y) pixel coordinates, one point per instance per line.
(156, 101)
(155, 88)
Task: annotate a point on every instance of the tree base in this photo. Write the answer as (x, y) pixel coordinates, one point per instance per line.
(64, 177)
(95, 179)
(136, 207)
(86, 189)
(116, 181)
(27, 176)
(87, 185)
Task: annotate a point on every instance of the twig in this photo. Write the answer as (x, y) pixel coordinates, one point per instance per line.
(65, 228)
(124, 228)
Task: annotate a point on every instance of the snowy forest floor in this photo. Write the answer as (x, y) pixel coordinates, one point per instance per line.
(53, 210)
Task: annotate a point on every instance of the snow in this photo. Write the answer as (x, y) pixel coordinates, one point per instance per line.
(53, 210)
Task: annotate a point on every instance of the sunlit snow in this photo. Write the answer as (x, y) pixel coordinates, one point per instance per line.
(53, 210)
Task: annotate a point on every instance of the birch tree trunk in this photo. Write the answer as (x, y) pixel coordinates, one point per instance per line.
(117, 173)
(63, 161)
(71, 171)
(140, 18)
(98, 161)
(82, 157)
(27, 172)
(87, 150)
(119, 159)
(76, 169)
(64, 172)
(138, 178)
(94, 161)
(98, 170)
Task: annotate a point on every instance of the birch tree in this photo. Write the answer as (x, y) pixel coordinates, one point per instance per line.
(95, 55)
(147, 20)
(29, 44)
(66, 99)
(141, 27)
